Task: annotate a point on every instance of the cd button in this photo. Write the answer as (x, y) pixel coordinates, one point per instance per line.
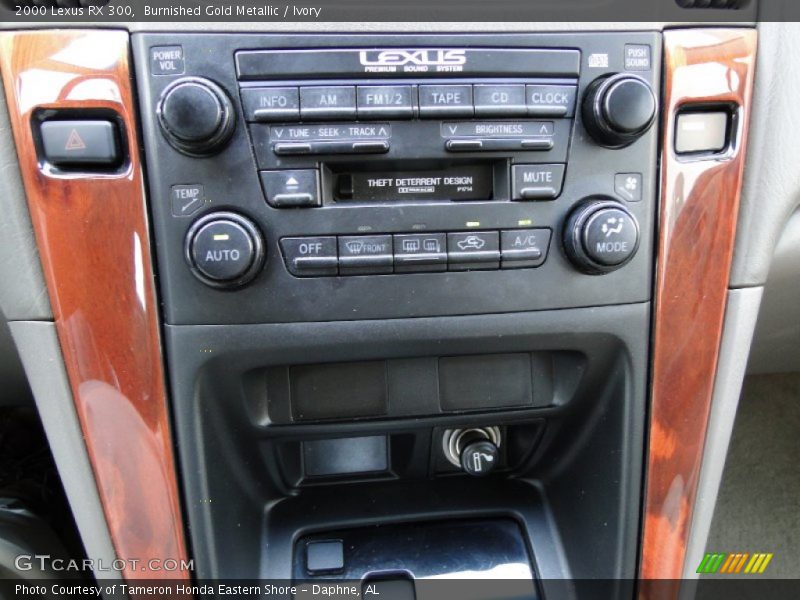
(365, 254)
(271, 104)
(328, 102)
(499, 100)
(385, 101)
(445, 100)
(473, 250)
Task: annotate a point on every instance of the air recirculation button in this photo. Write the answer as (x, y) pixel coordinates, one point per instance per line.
(224, 250)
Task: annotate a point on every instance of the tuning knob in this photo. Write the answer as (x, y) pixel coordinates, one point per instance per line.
(196, 116)
(600, 236)
(618, 109)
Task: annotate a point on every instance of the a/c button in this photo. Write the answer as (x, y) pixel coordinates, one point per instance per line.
(520, 248)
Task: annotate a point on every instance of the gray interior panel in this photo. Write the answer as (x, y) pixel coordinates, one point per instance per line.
(740, 319)
(41, 357)
(777, 337)
(23, 295)
(771, 190)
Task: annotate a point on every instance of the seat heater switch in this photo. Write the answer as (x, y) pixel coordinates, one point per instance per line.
(701, 132)
(80, 143)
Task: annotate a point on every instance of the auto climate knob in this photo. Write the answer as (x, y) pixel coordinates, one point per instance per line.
(618, 109)
(196, 116)
(224, 249)
(600, 236)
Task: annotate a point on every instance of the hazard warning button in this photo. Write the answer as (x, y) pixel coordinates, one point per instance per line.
(72, 144)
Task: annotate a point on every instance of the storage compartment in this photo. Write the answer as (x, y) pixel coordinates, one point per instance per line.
(412, 386)
(480, 382)
(338, 390)
(469, 549)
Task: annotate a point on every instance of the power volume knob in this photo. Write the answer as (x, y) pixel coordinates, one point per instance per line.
(600, 236)
(196, 116)
(618, 109)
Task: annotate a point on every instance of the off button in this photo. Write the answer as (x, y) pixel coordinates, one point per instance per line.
(224, 249)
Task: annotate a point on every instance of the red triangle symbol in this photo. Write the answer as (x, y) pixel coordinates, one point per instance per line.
(74, 141)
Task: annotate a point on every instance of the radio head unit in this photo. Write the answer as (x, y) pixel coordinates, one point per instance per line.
(510, 170)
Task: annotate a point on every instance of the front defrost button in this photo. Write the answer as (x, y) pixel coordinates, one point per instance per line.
(365, 254)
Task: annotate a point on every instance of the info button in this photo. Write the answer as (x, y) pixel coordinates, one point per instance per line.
(271, 104)
(537, 182)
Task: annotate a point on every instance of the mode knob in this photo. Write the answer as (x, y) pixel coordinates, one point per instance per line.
(224, 250)
(600, 236)
(196, 116)
(618, 109)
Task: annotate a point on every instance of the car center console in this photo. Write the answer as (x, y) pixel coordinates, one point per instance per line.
(405, 279)
(387, 310)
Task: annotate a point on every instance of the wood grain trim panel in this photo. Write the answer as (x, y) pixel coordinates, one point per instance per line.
(699, 207)
(92, 235)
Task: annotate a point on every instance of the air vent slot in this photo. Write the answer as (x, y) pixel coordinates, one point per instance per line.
(726, 4)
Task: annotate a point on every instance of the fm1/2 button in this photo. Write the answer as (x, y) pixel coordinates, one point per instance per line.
(224, 250)
(601, 236)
